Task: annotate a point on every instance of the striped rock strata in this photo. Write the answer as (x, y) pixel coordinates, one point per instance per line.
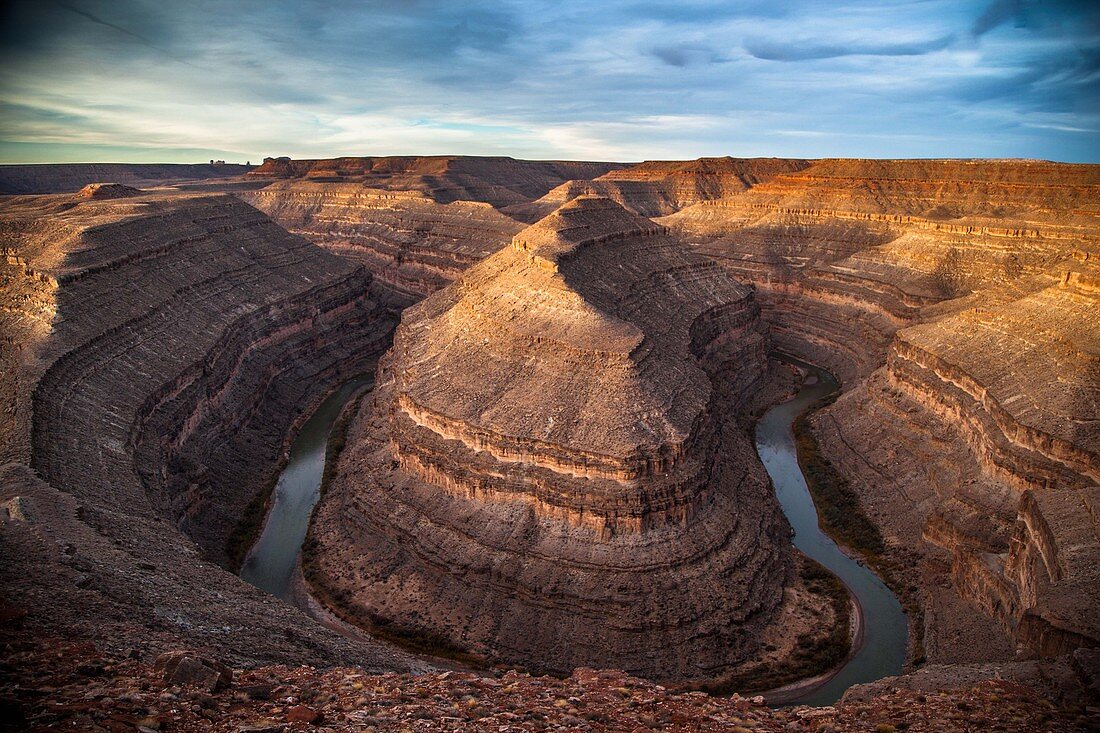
(157, 351)
(405, 238)
(553, 471)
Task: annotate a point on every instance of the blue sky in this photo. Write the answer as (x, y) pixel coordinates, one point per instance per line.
(152, 80)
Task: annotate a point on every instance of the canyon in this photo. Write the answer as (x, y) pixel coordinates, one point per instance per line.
(555, 468)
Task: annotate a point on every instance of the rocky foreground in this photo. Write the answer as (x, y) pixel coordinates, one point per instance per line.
(57, 685)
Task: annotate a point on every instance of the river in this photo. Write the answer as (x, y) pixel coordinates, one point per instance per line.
(883, 630)
(271, 562)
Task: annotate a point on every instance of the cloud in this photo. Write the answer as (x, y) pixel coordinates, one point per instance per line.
(686, 54)
(551, 78)
(998, 12)
(811, 51)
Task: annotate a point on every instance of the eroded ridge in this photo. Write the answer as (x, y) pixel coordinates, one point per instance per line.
(955, 298)
(553, 471)
(161, 346)
(657, 188)
(406, 239)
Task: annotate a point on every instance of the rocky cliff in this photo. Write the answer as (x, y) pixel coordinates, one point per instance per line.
(405, 238)
(553, 471)
(497, 181)
(657, 188)
(848, 251)
(66, 177)
(953, 298)
(160, 349)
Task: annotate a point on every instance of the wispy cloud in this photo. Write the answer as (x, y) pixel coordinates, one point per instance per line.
(810, 50)
(542, 78)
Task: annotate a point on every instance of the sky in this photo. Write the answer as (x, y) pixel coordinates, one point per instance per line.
(175, 81)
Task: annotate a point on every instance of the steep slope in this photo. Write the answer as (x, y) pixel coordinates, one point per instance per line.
(848, 251)
(405, 238)
(955, 299)
(981, 436)
(66, 177)
(553, 471)
(657, 188)
(496, 181)
(160, 348)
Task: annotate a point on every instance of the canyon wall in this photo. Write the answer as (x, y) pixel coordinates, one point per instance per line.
(553, 470)
(161, 347)
(499, 181)
(954, 298)
(66, 177)
(405, 238)
(657, 188)
(848, 251)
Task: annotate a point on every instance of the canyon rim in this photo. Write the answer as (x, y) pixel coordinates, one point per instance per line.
(459, 417)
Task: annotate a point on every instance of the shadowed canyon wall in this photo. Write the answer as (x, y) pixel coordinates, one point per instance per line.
(162, 347)
(66, 177)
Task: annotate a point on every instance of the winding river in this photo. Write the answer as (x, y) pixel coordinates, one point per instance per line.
(880, 648)
(271, 562)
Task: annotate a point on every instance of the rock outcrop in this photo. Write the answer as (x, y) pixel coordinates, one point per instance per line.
(497, 181)
(553, 471)
(657, 188)
(67, 177)
(405, 238)
(157, 352)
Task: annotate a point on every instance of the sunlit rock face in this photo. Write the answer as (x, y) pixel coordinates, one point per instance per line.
(407, 239)
(553, 471)
(657, 188)
(957, 301)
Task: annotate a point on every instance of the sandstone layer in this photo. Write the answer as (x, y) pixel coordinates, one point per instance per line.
(405, 238)
(955, 298)
(553, 472)
(845, 252)
(157, 351)
(657, 188)
(497, 181)
(66, 177)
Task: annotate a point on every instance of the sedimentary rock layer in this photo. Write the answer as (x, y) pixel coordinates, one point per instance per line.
(553, 472)
(496, 181)
(161, 346)
(844, 252)
(405, 238)
(66, 177)
(999, 407)
(992, 399)
(657, 188)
